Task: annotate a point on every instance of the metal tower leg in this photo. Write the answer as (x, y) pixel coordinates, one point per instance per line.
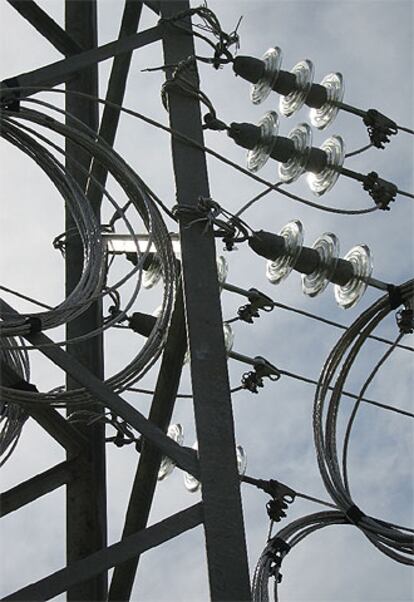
(223, 519)
(86, 494)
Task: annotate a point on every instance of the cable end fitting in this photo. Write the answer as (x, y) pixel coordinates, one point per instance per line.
(380, 190)
(380, 127)
(254, 379)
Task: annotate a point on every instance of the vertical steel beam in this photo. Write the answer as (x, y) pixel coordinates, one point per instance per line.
(145, 481)
(86, 495)
(223, 518)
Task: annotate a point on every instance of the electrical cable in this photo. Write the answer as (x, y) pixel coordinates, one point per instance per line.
(25, 297)
(351, 420)
(120, 282)
(326, 321)
(358, 151)
(12, 416)
(257, 198)
(407, 194)
(404, 129)
(304, 379)
(378, 404)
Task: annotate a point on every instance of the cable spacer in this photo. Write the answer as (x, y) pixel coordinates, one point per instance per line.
(35, 324)
(380, 127)
(380, 190)
(395, 296)
(354, 514)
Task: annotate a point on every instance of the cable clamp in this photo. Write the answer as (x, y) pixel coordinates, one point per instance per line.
(380, 127)
(258, 300)
(380, 190)
(354, 515)
(35, 324)
(254, 379)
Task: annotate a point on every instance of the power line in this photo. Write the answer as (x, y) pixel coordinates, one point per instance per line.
(384, 406)
(25, 297)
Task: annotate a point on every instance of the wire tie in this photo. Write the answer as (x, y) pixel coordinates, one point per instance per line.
(354, 514)
(395, 296)
(35, 324)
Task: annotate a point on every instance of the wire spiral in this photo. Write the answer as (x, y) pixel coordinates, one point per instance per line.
(92, 280)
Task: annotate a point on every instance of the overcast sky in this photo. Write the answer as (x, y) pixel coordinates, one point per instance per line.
(371, 44)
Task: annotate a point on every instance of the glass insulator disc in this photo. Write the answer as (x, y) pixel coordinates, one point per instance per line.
(222, 269)
(295, 167)
(176, 433)
(278, 269)
(303, 72)
(258, 156)
(192, 484)
(327, 246)
(261, 89)
(350, 293)
(241, 460)
(321, 182)
(324, 116)
(152, 274)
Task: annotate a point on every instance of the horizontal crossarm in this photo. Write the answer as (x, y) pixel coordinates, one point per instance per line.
(61, 71)
(96, 563)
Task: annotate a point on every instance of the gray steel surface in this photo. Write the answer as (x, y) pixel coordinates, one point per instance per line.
(86, 520)
(223, 518)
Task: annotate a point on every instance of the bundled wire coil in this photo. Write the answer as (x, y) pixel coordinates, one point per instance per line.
(386, 537)
(91, 287)
(12, 416)
(393, 540)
